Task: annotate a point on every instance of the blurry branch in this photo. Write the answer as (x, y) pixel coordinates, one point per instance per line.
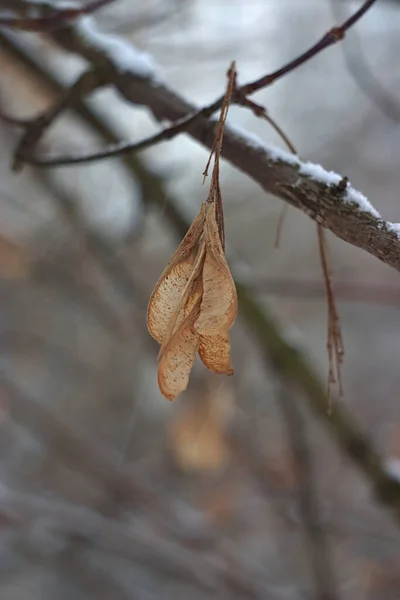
(97, 461)
(120, 149)
(363, 75)
(318, 549)
(85, 84)
(248, 451)
(74, 448)
(275, 347)
(43, 16)
(310, 290)
(142, 546)
(334, 333)
(295, 366)
(84, 293)
(126, 541)
(16, 342)
(102, 254)
(151, 184)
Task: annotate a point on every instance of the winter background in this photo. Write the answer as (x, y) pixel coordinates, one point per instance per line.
(207, 517)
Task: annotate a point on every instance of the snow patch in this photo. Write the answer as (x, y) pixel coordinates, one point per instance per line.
(330, 178)
(125, 57)
(306, 169)
(394, 228)
(364, 204)
(318, 173)
(253, 141)
(278, 154)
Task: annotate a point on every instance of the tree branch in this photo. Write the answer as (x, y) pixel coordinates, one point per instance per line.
(84, 85)
(320, 194)
(336, 34)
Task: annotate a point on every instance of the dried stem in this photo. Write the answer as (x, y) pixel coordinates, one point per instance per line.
(279, 227)
(334, 334)
(215, 189)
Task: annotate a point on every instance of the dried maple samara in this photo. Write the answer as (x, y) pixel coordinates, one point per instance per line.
(193, 305)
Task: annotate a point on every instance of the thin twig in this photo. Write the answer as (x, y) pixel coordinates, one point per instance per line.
(123, 148)
(334, 35)
(85, 84)
(279, 226)
(215, 189)
(364, 76)
(334, 335)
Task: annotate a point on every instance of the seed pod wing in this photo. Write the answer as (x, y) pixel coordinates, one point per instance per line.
(177, 358)
(168, 291)
(215, 353)
(219, 305)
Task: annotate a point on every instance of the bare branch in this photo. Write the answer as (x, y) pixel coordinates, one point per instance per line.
(334, 335)
(85, 84)
(336, 34)
(364, 76)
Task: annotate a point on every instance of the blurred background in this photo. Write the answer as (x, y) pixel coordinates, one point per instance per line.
(107, 490)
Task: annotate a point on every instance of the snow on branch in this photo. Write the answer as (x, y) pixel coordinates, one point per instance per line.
(124, 56)
(310, 170)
